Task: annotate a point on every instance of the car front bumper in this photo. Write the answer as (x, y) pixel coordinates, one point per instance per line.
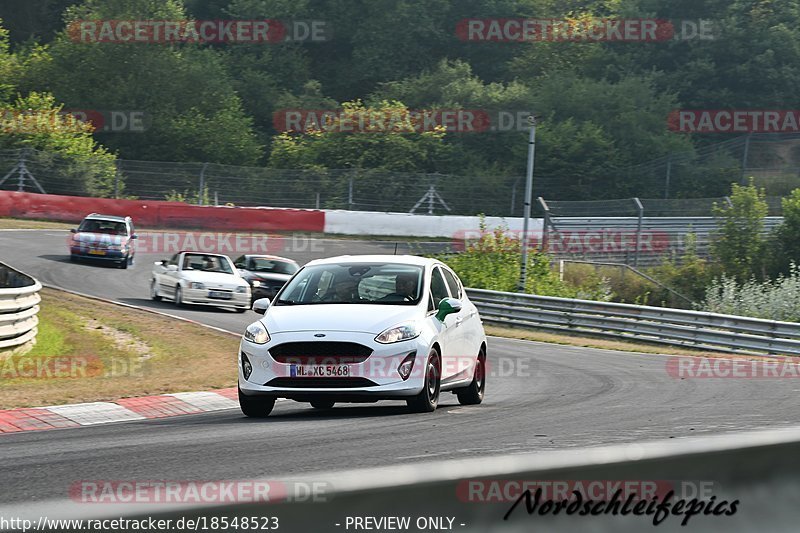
(201, 297)
(375, 378)
(100, 255)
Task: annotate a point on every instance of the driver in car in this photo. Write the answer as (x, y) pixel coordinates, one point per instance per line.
(405, 288)
(344, 290)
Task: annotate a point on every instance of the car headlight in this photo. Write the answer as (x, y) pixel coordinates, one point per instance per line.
(255, 283)
(256, 333)
(241, 289)
(403, 332)
(196, 285)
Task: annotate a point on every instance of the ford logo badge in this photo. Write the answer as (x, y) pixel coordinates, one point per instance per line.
(319, 334)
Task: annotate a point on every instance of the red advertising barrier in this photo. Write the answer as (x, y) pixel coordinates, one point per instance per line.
(160, 214)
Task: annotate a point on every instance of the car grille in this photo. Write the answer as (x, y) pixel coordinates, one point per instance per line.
(321, 383)
(320, 352)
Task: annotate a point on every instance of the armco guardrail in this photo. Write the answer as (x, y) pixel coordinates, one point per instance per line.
(19, 306)
(758, 470)
(677, 327)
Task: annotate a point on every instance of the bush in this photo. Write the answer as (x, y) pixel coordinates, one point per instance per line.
(739, 246)
(774, 300)
(493, 263)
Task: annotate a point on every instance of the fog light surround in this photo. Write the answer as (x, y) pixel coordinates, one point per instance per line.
(407, 366)
(247, 367)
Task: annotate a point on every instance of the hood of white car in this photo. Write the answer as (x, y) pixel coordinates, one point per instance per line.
(213, 278)
(363, 318)
(97, 238)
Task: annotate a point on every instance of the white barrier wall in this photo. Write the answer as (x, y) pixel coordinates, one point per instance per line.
(416, 225)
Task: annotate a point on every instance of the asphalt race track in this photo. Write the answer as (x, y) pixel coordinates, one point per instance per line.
(539, 397)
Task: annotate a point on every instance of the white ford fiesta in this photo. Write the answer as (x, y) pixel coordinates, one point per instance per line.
(363, 329)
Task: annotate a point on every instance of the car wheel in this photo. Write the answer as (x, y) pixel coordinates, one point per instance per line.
(154, 291)
(241, 309)
(256, 406)
(178, 296)
(322, 404)
(473, 393)
(428, 398)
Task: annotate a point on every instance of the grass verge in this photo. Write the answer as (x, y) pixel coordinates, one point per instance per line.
(605, 344)
(92, 351)
(16, 223)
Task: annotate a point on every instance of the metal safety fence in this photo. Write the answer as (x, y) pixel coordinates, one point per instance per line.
(677, 327)
(19, 308)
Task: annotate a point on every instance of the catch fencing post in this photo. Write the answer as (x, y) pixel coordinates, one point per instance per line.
(640, 208)
(666, 180)
(527, 211)
(116, 179)
(350, 194)
(546, 223)
(202, 184)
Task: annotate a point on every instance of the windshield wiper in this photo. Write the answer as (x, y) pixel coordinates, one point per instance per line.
(286, 302)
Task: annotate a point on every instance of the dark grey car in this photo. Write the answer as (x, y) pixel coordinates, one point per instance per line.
(266, 274)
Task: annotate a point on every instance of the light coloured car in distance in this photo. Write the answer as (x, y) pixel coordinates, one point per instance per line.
(106, 238)
(363, 329)
(200, 278)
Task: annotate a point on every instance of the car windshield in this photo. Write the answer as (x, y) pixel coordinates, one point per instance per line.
(110, 227)
(207, 263)
(354, 283)
(272, 266)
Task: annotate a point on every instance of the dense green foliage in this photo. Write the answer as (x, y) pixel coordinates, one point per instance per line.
(493, 262)
(603, 105)
(739, 247)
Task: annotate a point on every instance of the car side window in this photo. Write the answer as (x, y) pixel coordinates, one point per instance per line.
(438, 287)
(452, 282)
(173, 260)
(239, 262)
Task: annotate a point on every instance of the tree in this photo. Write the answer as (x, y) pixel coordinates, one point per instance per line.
(739, 243)
(64, 158)
(184, 89)
(787, 235)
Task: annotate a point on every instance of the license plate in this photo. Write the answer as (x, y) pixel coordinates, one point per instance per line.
(319, 371)
(97, 252)
(220, 295)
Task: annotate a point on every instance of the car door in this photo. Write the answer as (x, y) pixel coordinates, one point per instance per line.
(448, 336)
(470, 329)
(465, 339)
(170, 274)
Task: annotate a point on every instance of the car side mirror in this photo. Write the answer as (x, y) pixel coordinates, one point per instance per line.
(134, 236)
(447, 306)
(73, 230)
(260, 305)
(158, 262)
